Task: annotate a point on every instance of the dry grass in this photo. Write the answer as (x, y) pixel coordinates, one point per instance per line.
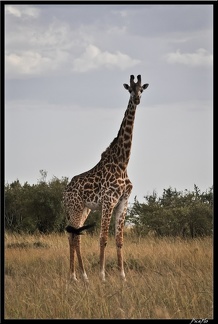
(166, 278)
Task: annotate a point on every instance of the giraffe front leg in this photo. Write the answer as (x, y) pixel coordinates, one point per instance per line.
(103, 243)
(105, 222)
(72, 257)
(120, 214)
(120, 263)
(119, 245)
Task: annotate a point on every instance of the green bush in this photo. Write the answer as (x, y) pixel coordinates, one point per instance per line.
(39, 207)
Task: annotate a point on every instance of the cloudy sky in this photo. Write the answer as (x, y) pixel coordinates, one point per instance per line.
(65, 68)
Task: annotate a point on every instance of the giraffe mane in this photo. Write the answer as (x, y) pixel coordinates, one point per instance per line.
(103, 154)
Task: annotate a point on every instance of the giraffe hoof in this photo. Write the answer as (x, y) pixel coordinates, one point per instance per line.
(85, 277)
(123, 277)
(73, 278)
(102, 276)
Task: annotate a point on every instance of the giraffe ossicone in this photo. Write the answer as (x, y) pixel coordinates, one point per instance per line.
(106, 187)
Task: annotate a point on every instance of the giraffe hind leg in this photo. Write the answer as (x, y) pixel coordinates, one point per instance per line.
(75, 242)
(72, 256)
(75, 233)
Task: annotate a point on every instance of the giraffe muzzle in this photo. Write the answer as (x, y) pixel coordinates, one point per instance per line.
(136, 101)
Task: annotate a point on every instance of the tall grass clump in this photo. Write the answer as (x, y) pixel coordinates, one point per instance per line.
(166, 278)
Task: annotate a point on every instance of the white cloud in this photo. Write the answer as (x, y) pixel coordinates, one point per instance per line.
(27, 63)
(22, 11)
(54, 35)
(200, 58)
(94, 58)
(35, 63)
(13, 11)
(33, 50)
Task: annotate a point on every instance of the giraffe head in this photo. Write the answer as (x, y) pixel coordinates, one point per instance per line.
(135, 89)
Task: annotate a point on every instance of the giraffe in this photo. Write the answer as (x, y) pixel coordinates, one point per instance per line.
(105, 187)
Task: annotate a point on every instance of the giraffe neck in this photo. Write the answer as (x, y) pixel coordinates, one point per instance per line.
(120, 149)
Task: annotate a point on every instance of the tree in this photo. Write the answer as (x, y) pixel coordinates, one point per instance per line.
(39, 207)
(175, 213)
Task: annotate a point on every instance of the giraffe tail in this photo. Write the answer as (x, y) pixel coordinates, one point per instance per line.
(78, 231)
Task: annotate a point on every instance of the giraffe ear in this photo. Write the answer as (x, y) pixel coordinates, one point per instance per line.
(145, 86)
(126, 86)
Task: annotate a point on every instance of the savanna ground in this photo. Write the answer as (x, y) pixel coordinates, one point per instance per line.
(167, 278)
